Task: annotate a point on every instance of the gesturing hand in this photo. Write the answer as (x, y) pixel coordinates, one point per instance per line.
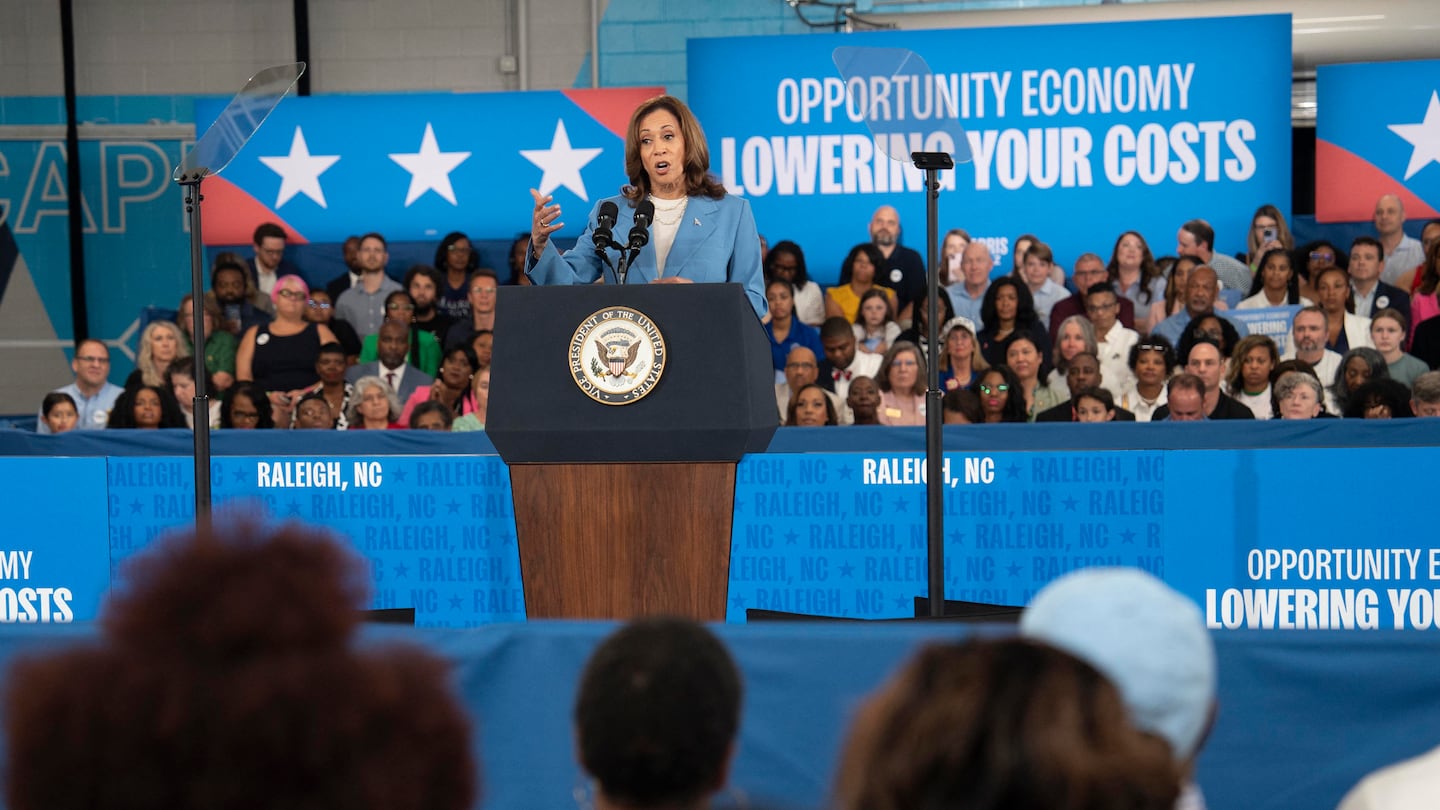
(543, 222)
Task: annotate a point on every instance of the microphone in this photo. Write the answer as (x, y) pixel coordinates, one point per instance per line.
(640, 234)
(604, 221)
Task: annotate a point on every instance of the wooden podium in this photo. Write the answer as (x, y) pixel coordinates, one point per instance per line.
(624, 509)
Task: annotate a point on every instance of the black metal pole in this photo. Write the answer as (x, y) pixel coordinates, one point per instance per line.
(79, 308)
(301, 9)
(197, 325)
(934, 419)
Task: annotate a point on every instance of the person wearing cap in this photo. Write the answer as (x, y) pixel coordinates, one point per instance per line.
(1149, 640)
(961, 359)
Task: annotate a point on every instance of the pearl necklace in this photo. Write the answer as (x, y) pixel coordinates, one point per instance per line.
(667, 207)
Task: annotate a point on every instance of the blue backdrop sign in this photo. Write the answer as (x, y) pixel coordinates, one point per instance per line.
(1078, 132)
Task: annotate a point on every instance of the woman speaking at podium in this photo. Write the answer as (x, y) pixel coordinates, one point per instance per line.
(698, 233)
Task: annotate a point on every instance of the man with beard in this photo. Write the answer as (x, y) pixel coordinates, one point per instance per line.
(1201, 289)
(363, 305)
(229, 290)
(1206, 364)
(424, 284)
(1307, 344)
(904, 270)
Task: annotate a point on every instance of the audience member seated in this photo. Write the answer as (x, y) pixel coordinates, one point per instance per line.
(1387, 331)
(1076, 335)
(483, 289)
(456, 259)
(330, 367)
(976, 265)
(363, 306)
(146, 407)
(801, 369)
(1112, 340)
(422, 349)
(902, 386)
(863, 401)
(961, 406)
(783, 330)
(374, 406)
(919, 331)
(93, 393)
(1368, 294)
(424, 283)
(1276, 284)
(1356, 368)
(1149, 640)
(1425, 394)
(479, 402)
(246, 407)
(240, 304)
(1084, 374)
(1207, 364)
(220, 345)
(961, 360)
(857, 274)
(350, 254)
(1094, 404)
(483, 344)
(1201, 290)
(1150, 362)
(811, 406)
(1210, 326)
(226, 674)
(1248, 380)
(1346, 330)
(1185, 400)
(785, 260)
(1298, 396)
(875, 328)
(1176, 271)
(1425, 303)
(1380, 398)
(431, 415)
(1024, 359)
(58, 412)
(1000, 396)
(1008, 312)
(180, 382)
(1136, 278)
(160, 343)
(451, 388)
(997, 724)
(518, 248)
(842, 363)
(392, 344)
(1307, 344)
(313, 413)
(268, 263)
(1089, 271)
(321, 310)
(1197, 238)
(656, 716)
(1268, 232)
(280, 356)
(1038, 265)
(952, 253)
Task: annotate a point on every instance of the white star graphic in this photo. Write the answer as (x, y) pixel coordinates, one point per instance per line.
(1424, 136)
(562, 164)
(430, 168)
(300, 171)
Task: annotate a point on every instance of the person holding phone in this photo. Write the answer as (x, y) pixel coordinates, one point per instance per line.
(1268, 231)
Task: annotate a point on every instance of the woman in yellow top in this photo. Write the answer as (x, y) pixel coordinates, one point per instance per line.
(857, 276)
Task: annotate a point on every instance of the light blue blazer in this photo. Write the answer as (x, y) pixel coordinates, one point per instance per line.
(716, 243)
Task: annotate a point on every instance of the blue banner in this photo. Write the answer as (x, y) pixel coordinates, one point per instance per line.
(439, 533)
(53, 565)
(1273, 322)
(1078, 132)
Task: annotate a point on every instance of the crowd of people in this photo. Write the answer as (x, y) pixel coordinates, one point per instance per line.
(1133, 338)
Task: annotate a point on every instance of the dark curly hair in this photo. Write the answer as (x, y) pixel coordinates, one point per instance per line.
(225, 670)
(657, 712)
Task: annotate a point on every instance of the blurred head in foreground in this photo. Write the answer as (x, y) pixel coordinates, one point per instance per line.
(225, 677)
(656, 715)
(1006, 724)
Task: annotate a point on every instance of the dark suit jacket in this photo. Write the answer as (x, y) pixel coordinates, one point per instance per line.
(414, 377)
(1427, 342)
(1225, 408)
(1064, 413)
(1388, 296)
(1066, 307)
(286, 268)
